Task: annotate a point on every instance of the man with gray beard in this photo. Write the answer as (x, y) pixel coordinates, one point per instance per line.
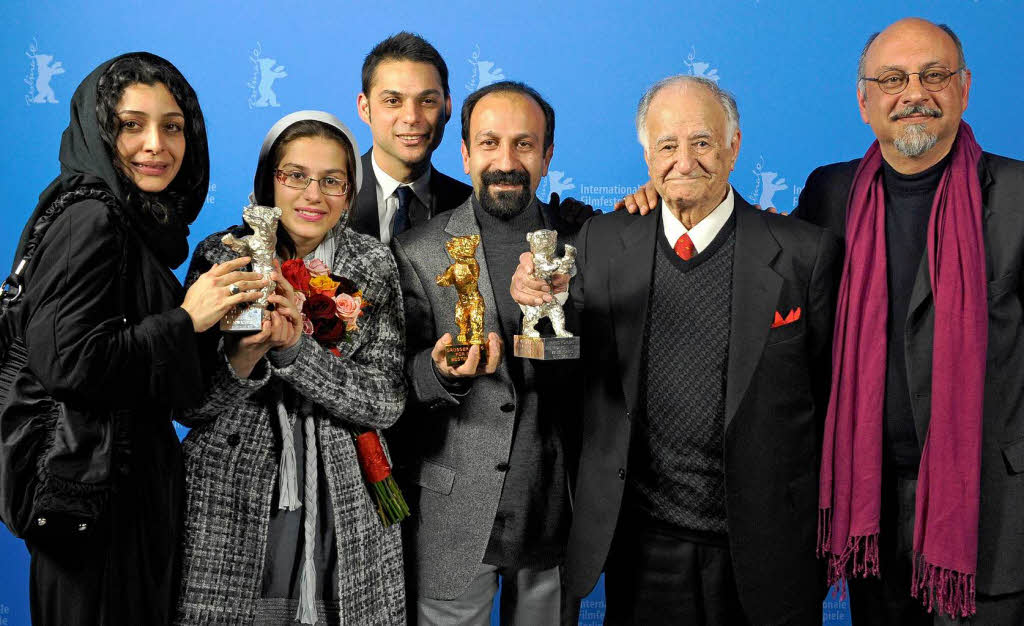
(928, 361)
(922, 479)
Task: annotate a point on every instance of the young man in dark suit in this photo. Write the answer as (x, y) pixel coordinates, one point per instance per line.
(706, 333)
(405, 101)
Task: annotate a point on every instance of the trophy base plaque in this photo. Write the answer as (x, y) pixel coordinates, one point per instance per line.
(242, 320)
(455, 355)
(547, 348)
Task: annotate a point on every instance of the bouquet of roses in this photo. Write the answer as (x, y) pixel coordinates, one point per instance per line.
(331, 307)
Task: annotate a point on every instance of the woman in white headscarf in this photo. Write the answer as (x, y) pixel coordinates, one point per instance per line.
(280, 521)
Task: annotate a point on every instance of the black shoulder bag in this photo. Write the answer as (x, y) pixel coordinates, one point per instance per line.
(55, 459)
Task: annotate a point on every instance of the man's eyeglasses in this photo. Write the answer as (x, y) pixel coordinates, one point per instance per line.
(329, 185)
(895, 81)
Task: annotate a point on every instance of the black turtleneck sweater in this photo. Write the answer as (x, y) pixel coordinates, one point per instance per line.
(531, 524)
(908, 205)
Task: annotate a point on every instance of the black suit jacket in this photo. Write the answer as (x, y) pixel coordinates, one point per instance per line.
(1001, 532)
(446, 193)
(776, 396)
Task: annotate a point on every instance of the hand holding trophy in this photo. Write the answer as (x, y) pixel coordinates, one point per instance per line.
(546, 265)
(260, 245)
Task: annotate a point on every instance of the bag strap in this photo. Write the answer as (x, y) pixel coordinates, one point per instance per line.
(15, 280)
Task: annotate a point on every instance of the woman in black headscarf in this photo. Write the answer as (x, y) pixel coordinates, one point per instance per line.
(112, 335)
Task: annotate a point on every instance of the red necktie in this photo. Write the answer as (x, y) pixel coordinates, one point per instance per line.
(684, 247)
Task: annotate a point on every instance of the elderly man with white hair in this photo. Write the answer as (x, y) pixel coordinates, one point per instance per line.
(705, 340)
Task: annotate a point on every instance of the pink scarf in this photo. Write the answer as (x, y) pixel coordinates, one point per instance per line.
(946, 514)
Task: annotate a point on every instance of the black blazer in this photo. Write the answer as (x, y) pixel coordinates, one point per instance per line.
(446, 193)
(1001, 531)
(776, 396)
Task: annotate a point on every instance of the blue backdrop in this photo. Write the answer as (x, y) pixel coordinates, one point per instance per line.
(791, 66)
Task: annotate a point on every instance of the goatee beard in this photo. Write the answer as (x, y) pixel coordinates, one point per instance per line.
(915, 139)
(505, 205)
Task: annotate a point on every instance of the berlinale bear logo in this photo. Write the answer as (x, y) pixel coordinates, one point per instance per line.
(484, 72)
(265, 72)
(43, 68)
(700, 68)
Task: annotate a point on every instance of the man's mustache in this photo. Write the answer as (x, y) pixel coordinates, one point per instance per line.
(501, 177)
(916, 109)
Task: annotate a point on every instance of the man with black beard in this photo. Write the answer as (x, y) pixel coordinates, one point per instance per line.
(480, 451)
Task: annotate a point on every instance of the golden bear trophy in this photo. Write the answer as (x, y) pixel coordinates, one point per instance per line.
(530, 345)
(464, 274)
(260, 245)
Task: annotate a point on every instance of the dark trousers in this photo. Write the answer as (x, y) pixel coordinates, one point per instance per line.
(886, 601)
(654, 576)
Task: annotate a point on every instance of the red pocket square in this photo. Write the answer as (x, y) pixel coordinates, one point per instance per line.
(794, 315)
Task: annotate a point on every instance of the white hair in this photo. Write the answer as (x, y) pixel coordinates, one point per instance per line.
(732, 113)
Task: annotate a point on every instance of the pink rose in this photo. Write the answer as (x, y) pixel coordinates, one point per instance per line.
(307, 326)
(349, 308)
(300, 299)
(317, 267)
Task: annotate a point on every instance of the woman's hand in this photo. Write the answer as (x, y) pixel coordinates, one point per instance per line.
(219, 289)
(246, 351)
(281, 328)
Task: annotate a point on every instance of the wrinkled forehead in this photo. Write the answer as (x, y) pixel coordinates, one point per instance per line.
(689, 105)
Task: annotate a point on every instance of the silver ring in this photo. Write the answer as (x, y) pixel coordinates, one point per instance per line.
(233, 288)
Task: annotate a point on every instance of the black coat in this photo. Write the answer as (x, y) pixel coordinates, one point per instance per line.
(1001, 525)
(776, 396)
(133, 365)
(446, 193)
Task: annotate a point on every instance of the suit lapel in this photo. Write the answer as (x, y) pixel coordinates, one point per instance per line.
(436, 191)
(366, 217)
(920, 297)
(629, 287)
(755, 294)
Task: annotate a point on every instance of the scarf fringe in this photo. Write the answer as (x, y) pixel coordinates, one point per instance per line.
(824, 532)
(287, 475)
(948, 591)
(858, 558)
(307, 594)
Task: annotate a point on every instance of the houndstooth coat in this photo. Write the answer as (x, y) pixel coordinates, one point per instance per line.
(233, 451)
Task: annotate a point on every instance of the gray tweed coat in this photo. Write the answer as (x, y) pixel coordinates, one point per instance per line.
(233, 451)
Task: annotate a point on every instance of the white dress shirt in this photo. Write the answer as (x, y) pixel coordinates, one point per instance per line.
(704, 232)
(387, 199)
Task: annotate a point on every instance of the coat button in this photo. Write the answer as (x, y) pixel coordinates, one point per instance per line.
(41, 521)
(508, 407)
(622, 474)
(234, 439)
(501, 467)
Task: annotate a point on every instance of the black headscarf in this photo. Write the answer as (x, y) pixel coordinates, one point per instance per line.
(86, 160)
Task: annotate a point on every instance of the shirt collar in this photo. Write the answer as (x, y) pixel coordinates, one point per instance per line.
(705, 231)
(388, 185)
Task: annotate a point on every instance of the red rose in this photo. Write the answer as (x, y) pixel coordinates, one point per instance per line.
(319, 307)
(297, 274)
(329, 331)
